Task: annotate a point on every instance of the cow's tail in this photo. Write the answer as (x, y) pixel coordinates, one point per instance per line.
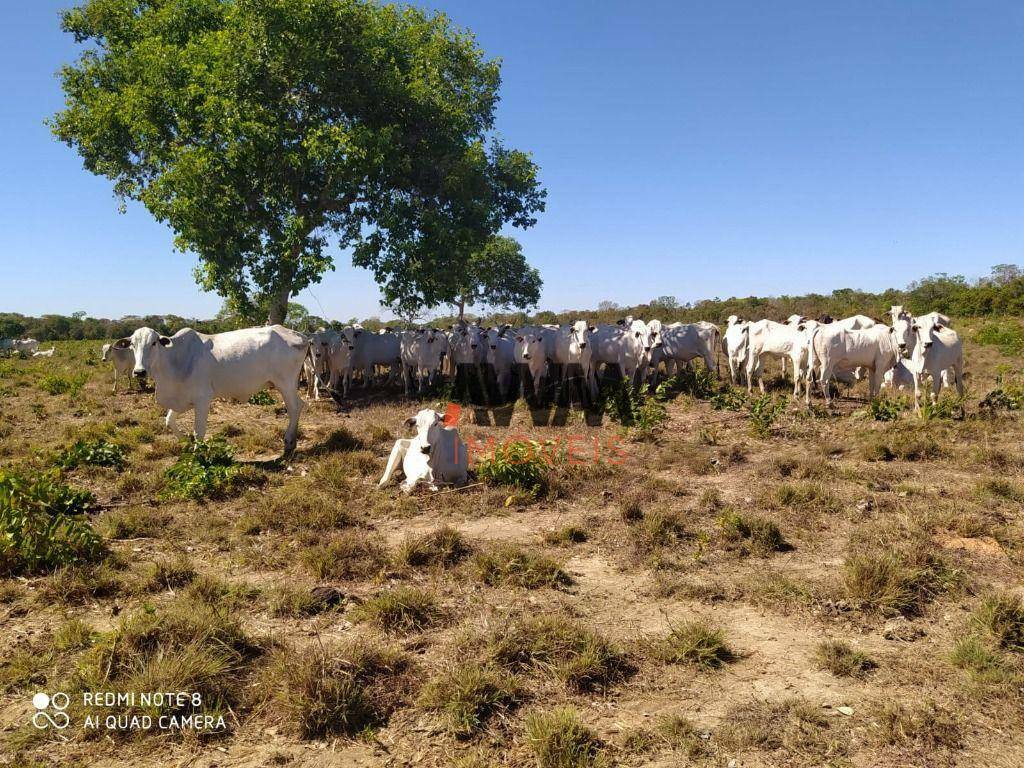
(810, 362)
(717, 341)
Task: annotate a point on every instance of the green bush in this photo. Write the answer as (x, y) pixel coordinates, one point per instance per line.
(764, 410)
(43, 524)
(729, 400)
(518, 463)
(205, 468)
(886, 408)
(1007, 336)
(633, 407)
(263, 397)
(55, 384)
(97, 453)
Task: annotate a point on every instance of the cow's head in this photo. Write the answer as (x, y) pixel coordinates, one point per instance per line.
(924, 330)
(529, 346)
(147, 346)
(903, 330)
(654, 328)
(826, 319)
(579, 335)
(349, 334)
(428, 424)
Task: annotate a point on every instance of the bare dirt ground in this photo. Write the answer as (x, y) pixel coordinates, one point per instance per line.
(891, 537)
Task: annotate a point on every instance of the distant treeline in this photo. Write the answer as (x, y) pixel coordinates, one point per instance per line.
(1002, 293)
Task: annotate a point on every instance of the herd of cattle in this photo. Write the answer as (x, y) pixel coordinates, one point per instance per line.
(191, 369)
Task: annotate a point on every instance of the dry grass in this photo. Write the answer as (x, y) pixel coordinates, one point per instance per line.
(695, 643)
(842, 660)
(559, 740)
(401, 610)
(347, 555)
(510, 565)
(467, 695)
(443, 548)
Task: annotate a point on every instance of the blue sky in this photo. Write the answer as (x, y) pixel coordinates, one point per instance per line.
(689, 148)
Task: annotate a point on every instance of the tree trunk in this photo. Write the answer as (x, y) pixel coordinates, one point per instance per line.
(278, 309)
(462, 308)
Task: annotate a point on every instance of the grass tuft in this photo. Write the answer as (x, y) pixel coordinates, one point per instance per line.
(559, 739)
(751, 534)
(347, 555)
(442, 548)
(842, 660)
(696, 643)
(400, 610)
(468, 695)
(511, 565)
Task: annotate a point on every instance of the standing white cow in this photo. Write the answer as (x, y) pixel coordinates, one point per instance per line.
(318, 363)
(625, 346)
(422, 352)
(572, 348)
(123, 360)
(833, 349)
(436, 455)
(372, 349)
(501, 354)
(683, 342)
(190, 369)
(28, 346)
(734, 343)
(937, 350)
(469, 351)
(534, 347)
(767, 339)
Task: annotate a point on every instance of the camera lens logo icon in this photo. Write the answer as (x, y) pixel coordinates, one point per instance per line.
(44, 703)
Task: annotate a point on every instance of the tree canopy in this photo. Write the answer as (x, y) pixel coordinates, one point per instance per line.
(260, 130)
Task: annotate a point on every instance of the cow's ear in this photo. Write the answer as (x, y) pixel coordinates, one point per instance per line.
(520, 338)
(620, 322)
(937, 327)
(122, 344)
(592, 328)
(439, 415)
(411, 421)
(357, 334)
(165, 342)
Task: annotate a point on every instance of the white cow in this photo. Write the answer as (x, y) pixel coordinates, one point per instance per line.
(318, 363)
(767, 339)
(123, 360)
(28, 346)
(626, 346)
(900, 377)
(436, 456)
(372, 349)
(683, 342)
(572, 347)
(190, 369)
(854, 323)
(734, 343)
(534, 347)
(501, 354)
(937, 350)
(44, 352)
(422, 352)
(834, 349)
(469, 350)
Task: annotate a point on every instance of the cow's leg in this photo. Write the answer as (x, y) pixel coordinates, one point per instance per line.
(293, 403)
(958, 371)
(171, 420)
(202, 410)
(398, 452)
(115, 381)
(936, 386)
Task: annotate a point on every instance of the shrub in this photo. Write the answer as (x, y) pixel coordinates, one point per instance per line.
(204, 469)
(696, 643)
(517, 463)
(580, 658)
(263, 397)
(97, 453)
(467, 695)
(55, 384)
(402, 609)
(559, 740)
(43, 524)
(729, 400)
(697, 381)
(510, 565)
(841, 659)
(751, 534)
(444, 547)
(339, 692)
(947, 406)
(634, 408)
(764, 410)
(1008, 337)
(886, 408)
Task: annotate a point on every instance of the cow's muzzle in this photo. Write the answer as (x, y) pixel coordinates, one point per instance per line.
(903, 347)
(139, 373)
(583, 345)
(424, 449)
(526, 357)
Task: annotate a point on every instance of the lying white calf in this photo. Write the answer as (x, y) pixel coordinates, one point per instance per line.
(436, 455)
(44, 352)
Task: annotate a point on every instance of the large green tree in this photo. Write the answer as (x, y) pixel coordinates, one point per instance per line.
(261, 130)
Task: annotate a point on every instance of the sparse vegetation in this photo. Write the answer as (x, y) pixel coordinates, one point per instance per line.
(204, 469)
(402, 609)
(510, 565)
(751, 534)
(521, 464)
(443, 548)
(559, 740)
(841, 659)
(696, 643)
(896, 579)
(97, 453)
(346, 555)
(468, 695)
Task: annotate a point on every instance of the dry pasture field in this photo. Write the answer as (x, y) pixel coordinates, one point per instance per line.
(829, 589)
